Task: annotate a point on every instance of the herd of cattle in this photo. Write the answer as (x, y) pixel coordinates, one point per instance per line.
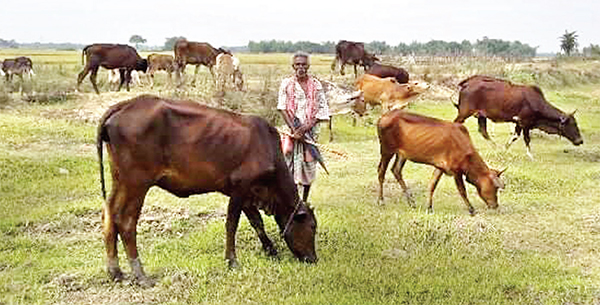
(189, 148)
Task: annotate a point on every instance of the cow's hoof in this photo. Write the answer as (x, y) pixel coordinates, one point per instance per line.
(472, 212)
(233, 264)
(144, 282)
(116, 274)
(271, 251)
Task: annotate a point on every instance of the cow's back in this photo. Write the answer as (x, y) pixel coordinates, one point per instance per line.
(423, 139)
(112, 56)
(187, 148)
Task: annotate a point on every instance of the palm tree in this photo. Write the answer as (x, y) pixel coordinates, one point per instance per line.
(568, 42)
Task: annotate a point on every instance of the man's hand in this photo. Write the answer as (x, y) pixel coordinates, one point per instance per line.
(300, 131)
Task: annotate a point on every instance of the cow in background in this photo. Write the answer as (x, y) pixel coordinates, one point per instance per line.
(195, 53)
(17, 66)
(187, 148)
(158, 62)
(224, 69)
(387, 92)
(349, 52)
(502, 101)
(444, 145)
(111, 56)
(342, 101)
(382, 71)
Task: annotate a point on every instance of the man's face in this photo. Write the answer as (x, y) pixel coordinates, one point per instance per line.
(301, 66)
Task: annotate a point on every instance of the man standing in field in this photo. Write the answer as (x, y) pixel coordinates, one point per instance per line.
(302, 104)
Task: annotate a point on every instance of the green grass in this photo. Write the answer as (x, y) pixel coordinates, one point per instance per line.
(539, 247)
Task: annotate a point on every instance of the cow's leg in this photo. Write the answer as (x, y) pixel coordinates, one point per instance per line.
(334, 64)
(195, 75)
(355, 71)
(233, 217)
(382, 168)
(255, 219)
(514, 137)
(437, 174)
(128, 213)
(397, 171)
(482, 122)
(109, 230)
(527, 140)
(93, 77)
(342, 68)
(80, 77)
(151, 79)
(460, 185)
(330, 129)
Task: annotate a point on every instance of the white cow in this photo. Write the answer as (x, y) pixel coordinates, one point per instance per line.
(342, 101)
(114, 78)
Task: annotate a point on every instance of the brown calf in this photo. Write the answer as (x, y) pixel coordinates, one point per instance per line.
(158, 62)
(187, 148)
(444, 145)
(195, 53)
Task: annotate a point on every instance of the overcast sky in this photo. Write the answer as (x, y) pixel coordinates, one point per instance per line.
(233, 23)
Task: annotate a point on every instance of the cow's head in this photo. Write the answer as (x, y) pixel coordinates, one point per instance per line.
(568, 129)
(141, 65)
(368, 60)
(299, 233)
(488, 187)
(359, 106)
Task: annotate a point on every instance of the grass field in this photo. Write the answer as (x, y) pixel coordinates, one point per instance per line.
(540, 246)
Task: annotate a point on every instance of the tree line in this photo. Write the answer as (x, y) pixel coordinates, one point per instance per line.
(483, 47)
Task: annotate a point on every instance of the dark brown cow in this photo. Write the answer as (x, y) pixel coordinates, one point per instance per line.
(19, 66)
(187, 148)
(503, 101)
(349, 52)
(157, 62)
(195, 53)
(382, 71)
(444, 145)
(111, 56)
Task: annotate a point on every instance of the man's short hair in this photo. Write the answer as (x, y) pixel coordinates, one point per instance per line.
(301, 54)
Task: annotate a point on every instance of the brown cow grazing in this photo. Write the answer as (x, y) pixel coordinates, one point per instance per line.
(187, 148)
(382, 71)
(349, 52)
(158, 62)
(387, 92)
(111, 56)
(503, 101)
(444, 145)
(195, 53)
(342, 101)
(17, 66)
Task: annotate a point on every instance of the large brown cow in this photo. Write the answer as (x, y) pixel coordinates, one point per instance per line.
(111, 56)
(350, 52)
(195, 53)
(444, 145)
(187, 148)
(157, 62)
(387, 92)
(382, 71)
(503, 101)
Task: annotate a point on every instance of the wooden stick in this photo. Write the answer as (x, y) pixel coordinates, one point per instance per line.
(322, 147)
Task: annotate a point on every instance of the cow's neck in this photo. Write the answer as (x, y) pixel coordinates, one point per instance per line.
(476, 169)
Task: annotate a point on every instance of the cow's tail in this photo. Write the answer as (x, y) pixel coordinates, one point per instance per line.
(102, 137)
(83, 53)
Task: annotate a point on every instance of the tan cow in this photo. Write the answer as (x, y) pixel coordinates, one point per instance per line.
(387, 92)
(157, 62)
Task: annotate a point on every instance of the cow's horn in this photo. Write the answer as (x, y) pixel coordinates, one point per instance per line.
(502, 171)
(573, 113)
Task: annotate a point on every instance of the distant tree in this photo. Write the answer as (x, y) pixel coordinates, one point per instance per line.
(170, 42)
(568, 42)
(137, 40)
(592, 51)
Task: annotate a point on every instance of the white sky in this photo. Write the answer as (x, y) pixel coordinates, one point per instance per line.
(234, 23)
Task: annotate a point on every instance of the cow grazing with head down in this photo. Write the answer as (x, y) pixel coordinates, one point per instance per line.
(195, 53)
(17, 66)
(503, 101)
(350, 52)
(383, 71)
(187, 148)
(224, 71)
(444, 145)
(114, 78)
(158, 62)
(342, 101)
(387, 92)
(111, 56)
